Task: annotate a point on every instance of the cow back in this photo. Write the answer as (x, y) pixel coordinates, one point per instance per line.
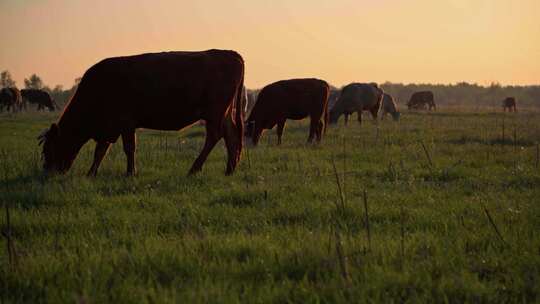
(165, 91)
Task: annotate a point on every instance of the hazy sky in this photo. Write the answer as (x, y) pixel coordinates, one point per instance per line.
(437, 41)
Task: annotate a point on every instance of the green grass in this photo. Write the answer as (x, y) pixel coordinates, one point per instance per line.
(270, 232)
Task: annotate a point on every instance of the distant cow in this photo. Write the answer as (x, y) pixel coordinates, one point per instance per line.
(245, 100)
(11, 99)
(389, 106)
(38, 97)
(421, 100)
(251, 98)
(333, 97)
(357, 97)
(510, 104)
(248, 100)
(161, 91)
(289, 99)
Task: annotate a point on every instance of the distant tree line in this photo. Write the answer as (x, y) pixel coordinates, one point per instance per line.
(468, 95)
(460, 94)
(58, 93)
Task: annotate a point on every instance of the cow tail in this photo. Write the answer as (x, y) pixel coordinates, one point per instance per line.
(326, 119)
(239, 115)
(326, 111)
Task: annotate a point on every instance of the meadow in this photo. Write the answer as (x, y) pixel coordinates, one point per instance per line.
(440, 207)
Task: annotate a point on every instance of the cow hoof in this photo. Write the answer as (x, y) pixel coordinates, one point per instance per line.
(193, 172)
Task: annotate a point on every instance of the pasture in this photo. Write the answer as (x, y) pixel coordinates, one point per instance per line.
(452, 201)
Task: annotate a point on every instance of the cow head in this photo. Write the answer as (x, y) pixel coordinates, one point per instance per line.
(56, 155)
(52, 105)
(249, 128)
(334, 115)
(252, 132)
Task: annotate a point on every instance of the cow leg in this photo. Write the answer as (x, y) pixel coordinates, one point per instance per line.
(233, 144)
(213, 135)
(359, 117)
(319, 131)
(313, 128)
(101, 150)
(316, 128)
(374, 113)
(129, 141)
(280, 127)
(346, 118)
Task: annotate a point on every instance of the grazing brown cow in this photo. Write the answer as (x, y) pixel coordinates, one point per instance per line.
(357, 97)
(421, 100)
(161, 91)
(290, 99)
(11, 99)
(39, 97)
(510, 104)
(389, 106)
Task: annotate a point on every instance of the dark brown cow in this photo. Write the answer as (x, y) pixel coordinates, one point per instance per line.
(419, 100)
(389, 106)
(39, 97)
(162, 91)
(11, 99)
(290, 99)
(510, 104)
(357, 97)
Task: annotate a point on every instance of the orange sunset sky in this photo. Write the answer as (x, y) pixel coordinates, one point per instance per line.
(443, 41)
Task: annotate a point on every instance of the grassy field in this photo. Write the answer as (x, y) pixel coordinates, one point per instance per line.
(452, 200)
